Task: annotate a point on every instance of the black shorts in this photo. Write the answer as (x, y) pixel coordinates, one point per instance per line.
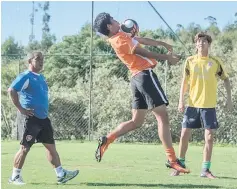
(147, 91)
(35, 130)
(195, 118)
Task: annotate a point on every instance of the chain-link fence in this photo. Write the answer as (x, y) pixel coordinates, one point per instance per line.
(67, 112)
(89, 100)
(83, 105)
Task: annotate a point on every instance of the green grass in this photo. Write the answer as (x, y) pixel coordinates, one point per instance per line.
(125, 166)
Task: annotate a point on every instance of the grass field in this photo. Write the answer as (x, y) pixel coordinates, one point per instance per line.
(125, 166)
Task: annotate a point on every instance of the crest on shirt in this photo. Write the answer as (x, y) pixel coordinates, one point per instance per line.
(28, 138)
(209, 64)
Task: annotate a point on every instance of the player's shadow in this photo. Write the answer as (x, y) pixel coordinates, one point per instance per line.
(151, 185)
(218, 177)
(231, 178)
(52, 184)
(4, 153)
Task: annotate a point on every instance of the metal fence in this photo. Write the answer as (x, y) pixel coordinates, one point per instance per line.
(87, 101)
(80, 100)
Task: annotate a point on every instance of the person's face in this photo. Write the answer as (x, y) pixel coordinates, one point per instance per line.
(37, 62)
(114, 27)
(202, 44)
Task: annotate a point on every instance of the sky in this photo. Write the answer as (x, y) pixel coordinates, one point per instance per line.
(68, 17)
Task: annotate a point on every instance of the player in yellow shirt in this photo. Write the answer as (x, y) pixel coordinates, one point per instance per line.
(200, 75)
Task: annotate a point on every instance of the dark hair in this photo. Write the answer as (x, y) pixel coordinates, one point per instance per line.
(101, 22)
(203, 34)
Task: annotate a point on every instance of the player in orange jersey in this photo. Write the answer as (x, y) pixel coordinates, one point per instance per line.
(146, 89)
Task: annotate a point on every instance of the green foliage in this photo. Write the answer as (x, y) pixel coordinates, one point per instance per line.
(48, 39)
(67, 70)
(33, 45)
(10, 47)
(8, 111)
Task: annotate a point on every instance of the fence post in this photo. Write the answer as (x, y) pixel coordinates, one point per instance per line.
(90, 127)
(166, 70)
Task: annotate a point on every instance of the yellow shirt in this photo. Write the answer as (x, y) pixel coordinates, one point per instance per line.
(201, 74)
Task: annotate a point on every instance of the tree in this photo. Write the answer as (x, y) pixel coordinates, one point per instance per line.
(48, 39)
(33, 46)
(231, 27)
(211, 20)
(213, 28)
(10, 47)
(68, 75)
(179, 28)
(236, 18)
(32, 22)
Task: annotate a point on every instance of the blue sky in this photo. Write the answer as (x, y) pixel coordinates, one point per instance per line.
(68, 17)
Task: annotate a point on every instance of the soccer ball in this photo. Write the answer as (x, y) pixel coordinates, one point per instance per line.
(130, 27)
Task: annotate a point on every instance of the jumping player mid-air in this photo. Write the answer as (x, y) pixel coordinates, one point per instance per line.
(146, 89)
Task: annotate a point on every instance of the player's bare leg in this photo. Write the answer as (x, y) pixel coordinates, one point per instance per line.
(63, 175)
(183, 147)
(165, 137)
(123, 128)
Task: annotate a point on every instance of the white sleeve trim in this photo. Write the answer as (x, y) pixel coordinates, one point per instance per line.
(135, 44)
(134, 41)
(26, 84)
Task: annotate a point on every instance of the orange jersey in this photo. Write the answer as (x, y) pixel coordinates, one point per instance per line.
(124, 47)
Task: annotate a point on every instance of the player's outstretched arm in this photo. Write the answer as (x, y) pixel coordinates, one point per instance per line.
(152, 42)
(145, 53)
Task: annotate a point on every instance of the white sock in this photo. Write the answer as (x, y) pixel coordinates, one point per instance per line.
(15, 172)
(59, 171)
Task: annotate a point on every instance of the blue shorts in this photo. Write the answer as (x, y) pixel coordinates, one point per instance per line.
(195, 118)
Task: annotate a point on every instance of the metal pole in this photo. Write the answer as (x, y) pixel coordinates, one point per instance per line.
(169, 27)
(17, 116)
(19, 65)
(166, 70)
(32, 20)
(90, 127)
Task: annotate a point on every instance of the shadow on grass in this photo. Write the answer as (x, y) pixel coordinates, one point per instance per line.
(218, 177)
(53, 184)
(131, 184)
(231, 178)
(5, 153)
(151, 185)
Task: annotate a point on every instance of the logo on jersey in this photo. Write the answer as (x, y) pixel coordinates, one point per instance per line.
(209, 64)
(28, 138)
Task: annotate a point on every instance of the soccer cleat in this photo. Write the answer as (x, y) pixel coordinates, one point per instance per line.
(207, 173)
(177, 165)
(68, 175)
(175, 173)
(102, 146)
(17, 180)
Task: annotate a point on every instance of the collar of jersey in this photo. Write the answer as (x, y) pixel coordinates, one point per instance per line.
(34, 73)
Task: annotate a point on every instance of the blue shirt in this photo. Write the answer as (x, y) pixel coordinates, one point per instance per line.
(33, 93)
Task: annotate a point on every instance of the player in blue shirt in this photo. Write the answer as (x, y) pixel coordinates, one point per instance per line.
(29, 93)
